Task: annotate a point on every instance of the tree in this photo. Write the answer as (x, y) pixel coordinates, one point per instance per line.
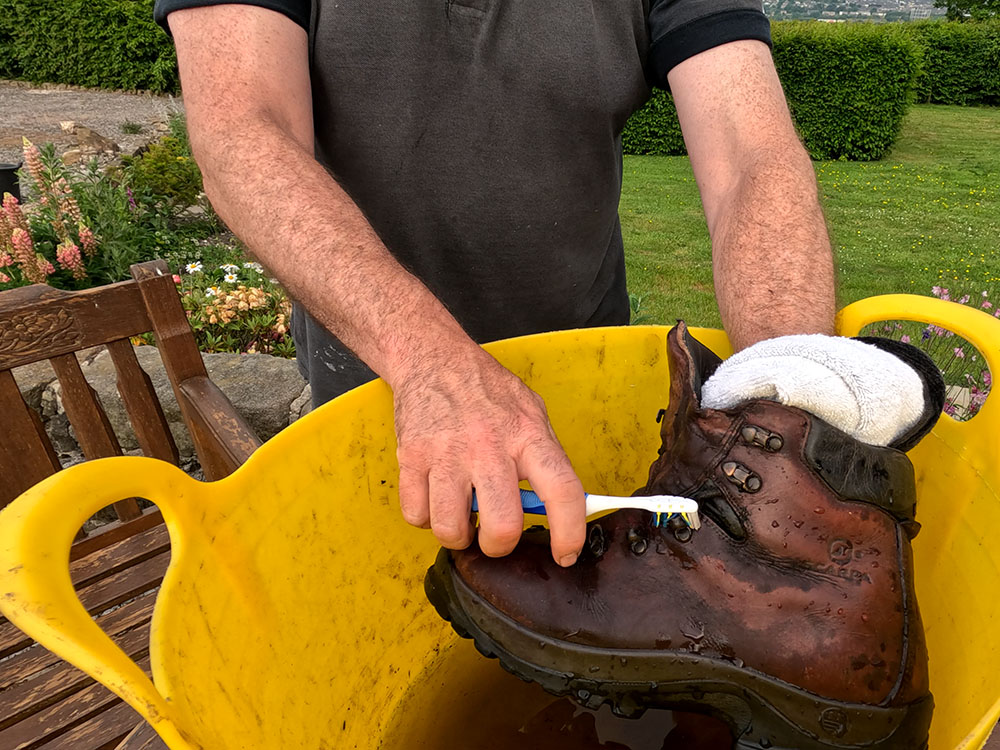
(970, 10)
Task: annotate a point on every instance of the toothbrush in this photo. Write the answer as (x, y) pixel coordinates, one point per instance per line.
(661, 505)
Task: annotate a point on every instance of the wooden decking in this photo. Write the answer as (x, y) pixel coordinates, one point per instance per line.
(46, 704)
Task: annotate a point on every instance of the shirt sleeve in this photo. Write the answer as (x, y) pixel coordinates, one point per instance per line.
(679, 29)
(297, 10)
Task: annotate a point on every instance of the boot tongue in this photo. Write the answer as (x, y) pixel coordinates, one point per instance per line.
(691, 364)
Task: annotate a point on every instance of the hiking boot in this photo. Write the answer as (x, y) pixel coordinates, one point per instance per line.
(790, 614)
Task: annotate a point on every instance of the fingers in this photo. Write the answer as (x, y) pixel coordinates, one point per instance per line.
(500, 517)
(551, 474)
(414, 495)
(450, 507)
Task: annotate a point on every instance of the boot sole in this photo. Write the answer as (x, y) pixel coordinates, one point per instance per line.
(761, 711)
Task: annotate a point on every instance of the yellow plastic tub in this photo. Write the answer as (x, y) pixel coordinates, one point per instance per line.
(293, 615)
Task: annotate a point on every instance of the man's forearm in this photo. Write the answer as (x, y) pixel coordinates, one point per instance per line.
(772, 261)
(307, 230)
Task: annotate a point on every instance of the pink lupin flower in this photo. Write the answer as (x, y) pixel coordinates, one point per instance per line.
(33, 160)
(27, 260)
(67, 203)
(13, 213)
(87, 240)
(4, 278)
(45, 265)
(68, 256)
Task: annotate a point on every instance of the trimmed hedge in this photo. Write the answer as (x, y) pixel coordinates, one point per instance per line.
(848, 86)
(100, 43)
(961, 62)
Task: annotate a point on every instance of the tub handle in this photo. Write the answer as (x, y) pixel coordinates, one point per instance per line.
(36, 592)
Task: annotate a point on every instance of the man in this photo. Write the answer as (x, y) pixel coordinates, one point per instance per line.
(423, 176)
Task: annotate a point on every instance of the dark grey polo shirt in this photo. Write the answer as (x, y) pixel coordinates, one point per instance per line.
(482, 139)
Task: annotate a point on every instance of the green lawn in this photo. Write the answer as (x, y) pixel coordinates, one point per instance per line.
(928, 214)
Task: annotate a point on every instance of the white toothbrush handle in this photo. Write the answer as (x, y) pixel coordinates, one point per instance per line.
(654, 504)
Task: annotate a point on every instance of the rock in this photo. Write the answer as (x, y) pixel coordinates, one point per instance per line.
(67, 126)
(161, 127)
(261, 387)
(72, 156)
(32, 380)
(91, 140)
(301, 406)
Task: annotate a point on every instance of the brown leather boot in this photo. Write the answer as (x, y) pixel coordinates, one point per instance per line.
(790, 613)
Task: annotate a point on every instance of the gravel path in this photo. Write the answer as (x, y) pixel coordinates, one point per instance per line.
(36, 111)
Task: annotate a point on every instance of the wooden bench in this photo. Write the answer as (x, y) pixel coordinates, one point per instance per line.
(46, 704)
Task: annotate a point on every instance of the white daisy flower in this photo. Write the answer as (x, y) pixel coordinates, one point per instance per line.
(229, 268)
(211, 291)
(193, 267)
(230, 278)
(254, 267)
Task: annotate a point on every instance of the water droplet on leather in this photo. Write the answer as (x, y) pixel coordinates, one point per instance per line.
(864, 617)
(798, 524)
(840, 611)
(819, 511)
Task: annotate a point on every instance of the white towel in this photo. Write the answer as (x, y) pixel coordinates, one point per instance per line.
(868, 393)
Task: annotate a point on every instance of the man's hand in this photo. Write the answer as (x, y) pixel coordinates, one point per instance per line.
(473, 424)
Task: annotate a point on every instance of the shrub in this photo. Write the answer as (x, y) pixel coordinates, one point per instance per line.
(848, 86)
(166, 170)
(235, 307)
(100, 43)
(654, 129)
(961, 62)
(82, 226)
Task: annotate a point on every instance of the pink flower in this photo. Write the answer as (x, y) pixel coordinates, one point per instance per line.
(177, 279)
(964, 300)
(33, 159)
(936, 291)
(45, 265)
(987, 378)
(4, 278)
(987, 305)
(959, 352)
(945, 295)
(67, 203)
(87, 239)
(14, 214)
(24, 254)
(905, 338)
(6, 260)
(68, 256)
(996, 313)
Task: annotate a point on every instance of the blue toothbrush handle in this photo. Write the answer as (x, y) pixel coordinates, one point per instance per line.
(530, 502)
